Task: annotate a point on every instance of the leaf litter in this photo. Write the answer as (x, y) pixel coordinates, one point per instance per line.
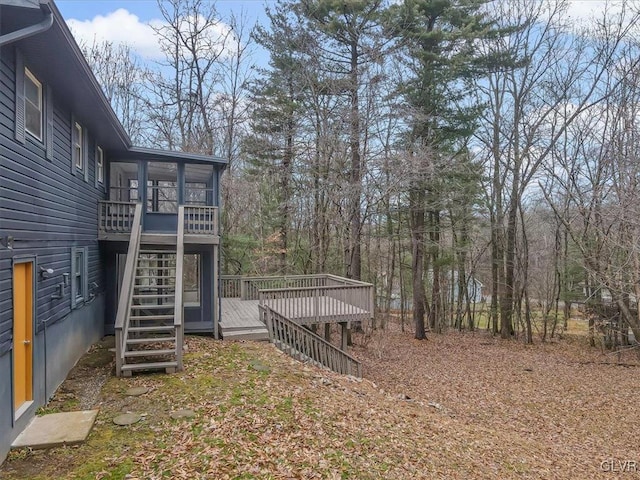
(459, 405)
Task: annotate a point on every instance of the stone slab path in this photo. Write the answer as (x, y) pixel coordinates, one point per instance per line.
(56, 429)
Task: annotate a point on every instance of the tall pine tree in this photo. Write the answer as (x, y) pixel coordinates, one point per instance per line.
(441, 39)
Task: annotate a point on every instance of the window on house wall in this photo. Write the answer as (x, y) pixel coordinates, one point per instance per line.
(78, 154)
(33, 106)
(79, 276)
(99, 165)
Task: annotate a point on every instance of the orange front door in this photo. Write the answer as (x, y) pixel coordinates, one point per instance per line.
(22, 333)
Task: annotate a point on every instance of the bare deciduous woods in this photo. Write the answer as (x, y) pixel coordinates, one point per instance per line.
(474, 160)
(561, 74)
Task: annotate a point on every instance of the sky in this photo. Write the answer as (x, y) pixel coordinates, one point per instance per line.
(128, 21)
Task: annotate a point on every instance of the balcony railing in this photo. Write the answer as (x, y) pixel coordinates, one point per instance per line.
(117, 218)
(200, 220)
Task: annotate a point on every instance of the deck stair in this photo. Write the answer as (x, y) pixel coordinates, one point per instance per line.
(149, 332)
(152, 337)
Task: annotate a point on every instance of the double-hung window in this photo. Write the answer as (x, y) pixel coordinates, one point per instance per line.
(79, 276)
(33, 109)
(78, 153)
(99, 165)
(33, 105)
(79, 149)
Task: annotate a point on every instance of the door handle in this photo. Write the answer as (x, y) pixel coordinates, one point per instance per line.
(27, 342)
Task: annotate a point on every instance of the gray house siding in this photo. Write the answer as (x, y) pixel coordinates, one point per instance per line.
(48, 211)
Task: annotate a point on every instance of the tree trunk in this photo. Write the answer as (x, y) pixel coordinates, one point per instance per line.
(417, 215)
(354, 261)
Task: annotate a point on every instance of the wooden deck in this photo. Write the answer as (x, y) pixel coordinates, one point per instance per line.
(240, 319)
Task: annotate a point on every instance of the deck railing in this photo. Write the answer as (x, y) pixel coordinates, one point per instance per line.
(321, 304)
(309, 298)
(231, 286)
(304, 345)
(200, 220)
(248, 288)
(252, 286)
(126, 292)
(115, 217)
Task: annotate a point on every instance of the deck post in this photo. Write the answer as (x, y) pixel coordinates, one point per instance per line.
(215, 304)
(344, 335)
(327, 332)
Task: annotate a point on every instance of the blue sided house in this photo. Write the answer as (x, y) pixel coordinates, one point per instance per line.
(96, 236)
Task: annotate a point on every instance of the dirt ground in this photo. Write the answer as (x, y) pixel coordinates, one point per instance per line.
(459, 405)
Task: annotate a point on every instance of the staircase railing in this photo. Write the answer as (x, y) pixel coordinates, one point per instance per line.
(179, 307)
(304, 345)
(126, 292)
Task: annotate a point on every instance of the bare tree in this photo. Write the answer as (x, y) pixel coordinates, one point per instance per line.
(558, 77)
(121, 76)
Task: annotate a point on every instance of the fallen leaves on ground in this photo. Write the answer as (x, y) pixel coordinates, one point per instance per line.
(455, 406)
(549, 410)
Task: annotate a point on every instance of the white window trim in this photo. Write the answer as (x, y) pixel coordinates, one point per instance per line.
(100, 165)
(31, 77)
(79, 298)
(78, 140)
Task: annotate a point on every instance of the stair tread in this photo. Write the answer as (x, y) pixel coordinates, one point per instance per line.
(243, 329)
(155, 328)
(142, 366)
(142, 286)
(154, 267)
(151, 317)
(148, 353)
(145, 264)
(153, 295)
(155, 276)
(141, 341)
(151, 306)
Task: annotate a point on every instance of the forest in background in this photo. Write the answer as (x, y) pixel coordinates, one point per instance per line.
(423, 146)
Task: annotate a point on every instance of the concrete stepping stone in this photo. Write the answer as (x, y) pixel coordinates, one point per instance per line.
(184, 413)
(57, 429)
(127, 419)
(136, 391)
(259, 367)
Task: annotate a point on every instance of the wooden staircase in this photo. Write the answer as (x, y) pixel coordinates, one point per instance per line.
(152, 336)
(149, 330)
